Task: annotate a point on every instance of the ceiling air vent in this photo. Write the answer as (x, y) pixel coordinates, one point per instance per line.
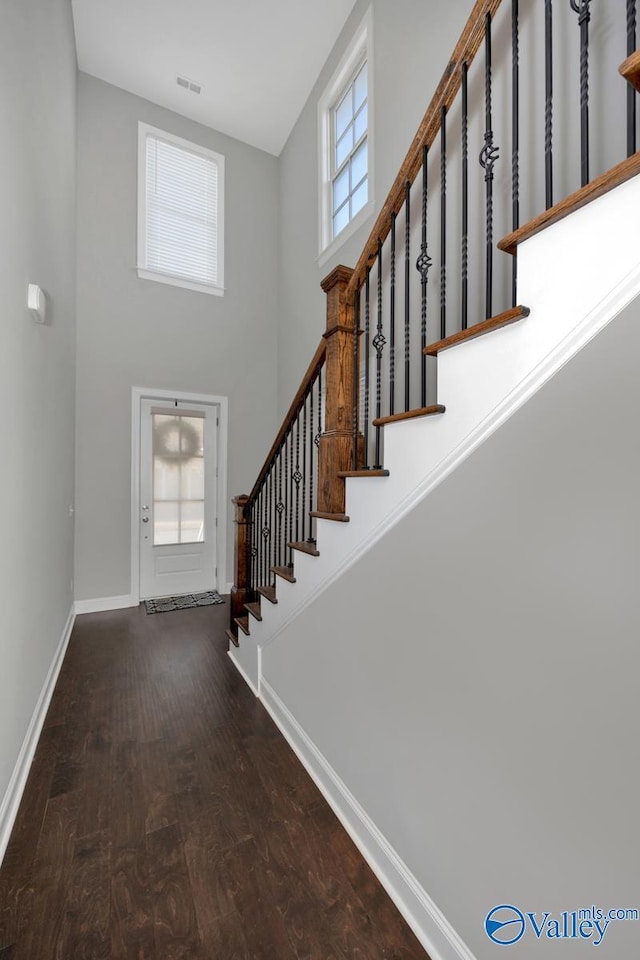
(188, 84)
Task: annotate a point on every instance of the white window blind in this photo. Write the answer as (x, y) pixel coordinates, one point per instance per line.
(180, 213)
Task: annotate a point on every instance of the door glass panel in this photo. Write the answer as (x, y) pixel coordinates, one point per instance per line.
(178, 479)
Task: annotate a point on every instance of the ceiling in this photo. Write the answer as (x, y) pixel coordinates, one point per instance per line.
(256, 61)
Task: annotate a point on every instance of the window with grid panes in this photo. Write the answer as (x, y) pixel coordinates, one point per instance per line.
(349, 151)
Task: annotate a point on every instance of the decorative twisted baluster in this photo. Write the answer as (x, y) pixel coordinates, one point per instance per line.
(582, 8)
(515, 137)
(407, 296)
(356, 379)
(443, 223)
(465, 199)
(423, 264)
(488, 157)
(297, 479)
(631, 93)
(548, 102)
(366, 366)
(311, 449)
(392, 318)
(378, 344)
(279, 505)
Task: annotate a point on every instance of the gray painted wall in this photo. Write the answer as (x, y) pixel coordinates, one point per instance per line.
(134, 332)
(37, 239)
(488, 722)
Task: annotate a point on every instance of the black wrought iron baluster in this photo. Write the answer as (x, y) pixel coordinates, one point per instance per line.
(392, 318)
(254, 549)
(280, 507)
(263, 539)
(407, 297)
(548, 103)
(631, 93)
(422, 265)
(464, 303)
(287, 503)
(297, 479)
(270, 528)
(356, 379)
(291, 486)
(305, 472)
(379, 342)
(311, 468)
(488, 157)
(515, 137)
(443, 223)
(319, 433)
(365, 426)
(582, 8)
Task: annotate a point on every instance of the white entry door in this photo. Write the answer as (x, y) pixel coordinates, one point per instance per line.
(177, 521)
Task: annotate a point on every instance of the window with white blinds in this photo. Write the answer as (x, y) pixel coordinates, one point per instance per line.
(180, 212)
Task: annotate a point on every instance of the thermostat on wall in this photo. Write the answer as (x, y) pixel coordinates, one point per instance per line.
(37, 303)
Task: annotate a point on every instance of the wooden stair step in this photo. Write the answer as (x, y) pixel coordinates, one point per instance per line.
(243, 624)
(630, 69)
(254, 610)
(354, 474)
(338, 517)
(477, 330)
(305, 547)
(269, 593)
(409, 415)
(597, 188)
(285, 572)
(232, 638)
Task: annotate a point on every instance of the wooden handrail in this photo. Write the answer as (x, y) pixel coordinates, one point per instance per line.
(303, 391)
(467, 47)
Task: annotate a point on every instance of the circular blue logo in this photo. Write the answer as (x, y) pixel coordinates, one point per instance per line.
(505, 925)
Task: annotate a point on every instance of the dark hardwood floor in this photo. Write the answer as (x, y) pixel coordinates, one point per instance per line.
(165, 817)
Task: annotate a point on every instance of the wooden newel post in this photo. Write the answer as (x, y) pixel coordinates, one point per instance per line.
(241, 554)
(336, 443)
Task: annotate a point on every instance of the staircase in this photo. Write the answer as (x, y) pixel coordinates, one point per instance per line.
(379, 388)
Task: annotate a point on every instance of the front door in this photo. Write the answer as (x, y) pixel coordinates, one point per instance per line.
(177, 522)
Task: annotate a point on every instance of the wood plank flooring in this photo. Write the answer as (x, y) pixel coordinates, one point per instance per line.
(165, 817)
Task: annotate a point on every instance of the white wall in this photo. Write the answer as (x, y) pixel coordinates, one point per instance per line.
(37, 240)
(134, 332)
(481, 664)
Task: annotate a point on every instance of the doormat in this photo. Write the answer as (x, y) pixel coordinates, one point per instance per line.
(165, 604)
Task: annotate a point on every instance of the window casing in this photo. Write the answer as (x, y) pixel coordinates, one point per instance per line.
(180, 212)
(345, 138)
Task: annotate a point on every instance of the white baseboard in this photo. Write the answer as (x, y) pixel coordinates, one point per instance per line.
(243, 673)
(13, 796)
(429, 924)
(100, 604)
(227, 589)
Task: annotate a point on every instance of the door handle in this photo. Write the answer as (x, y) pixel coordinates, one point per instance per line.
(145, 519)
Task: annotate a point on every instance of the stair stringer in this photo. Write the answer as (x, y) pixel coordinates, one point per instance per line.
(575, 277)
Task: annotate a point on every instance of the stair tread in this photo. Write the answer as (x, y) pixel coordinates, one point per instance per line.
(305, 547)
(243, 624)
(269, 593)
(477, 330)
(254, 610)
(630, 69)
(410, 415)
(354, 474)
(597, 188)
(338, 517)
(232, 637)
(285, 572)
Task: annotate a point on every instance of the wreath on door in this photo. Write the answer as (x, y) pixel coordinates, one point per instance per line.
(173, 442)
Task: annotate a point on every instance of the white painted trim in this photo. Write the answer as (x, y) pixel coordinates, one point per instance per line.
(228, 588)
(138, 394)
(100, 604)
(429, 924)
(144, 129)
(243, 673)
(11, 800)
(361, 44)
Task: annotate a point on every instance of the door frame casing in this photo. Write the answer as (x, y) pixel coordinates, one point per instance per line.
(138, 394)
